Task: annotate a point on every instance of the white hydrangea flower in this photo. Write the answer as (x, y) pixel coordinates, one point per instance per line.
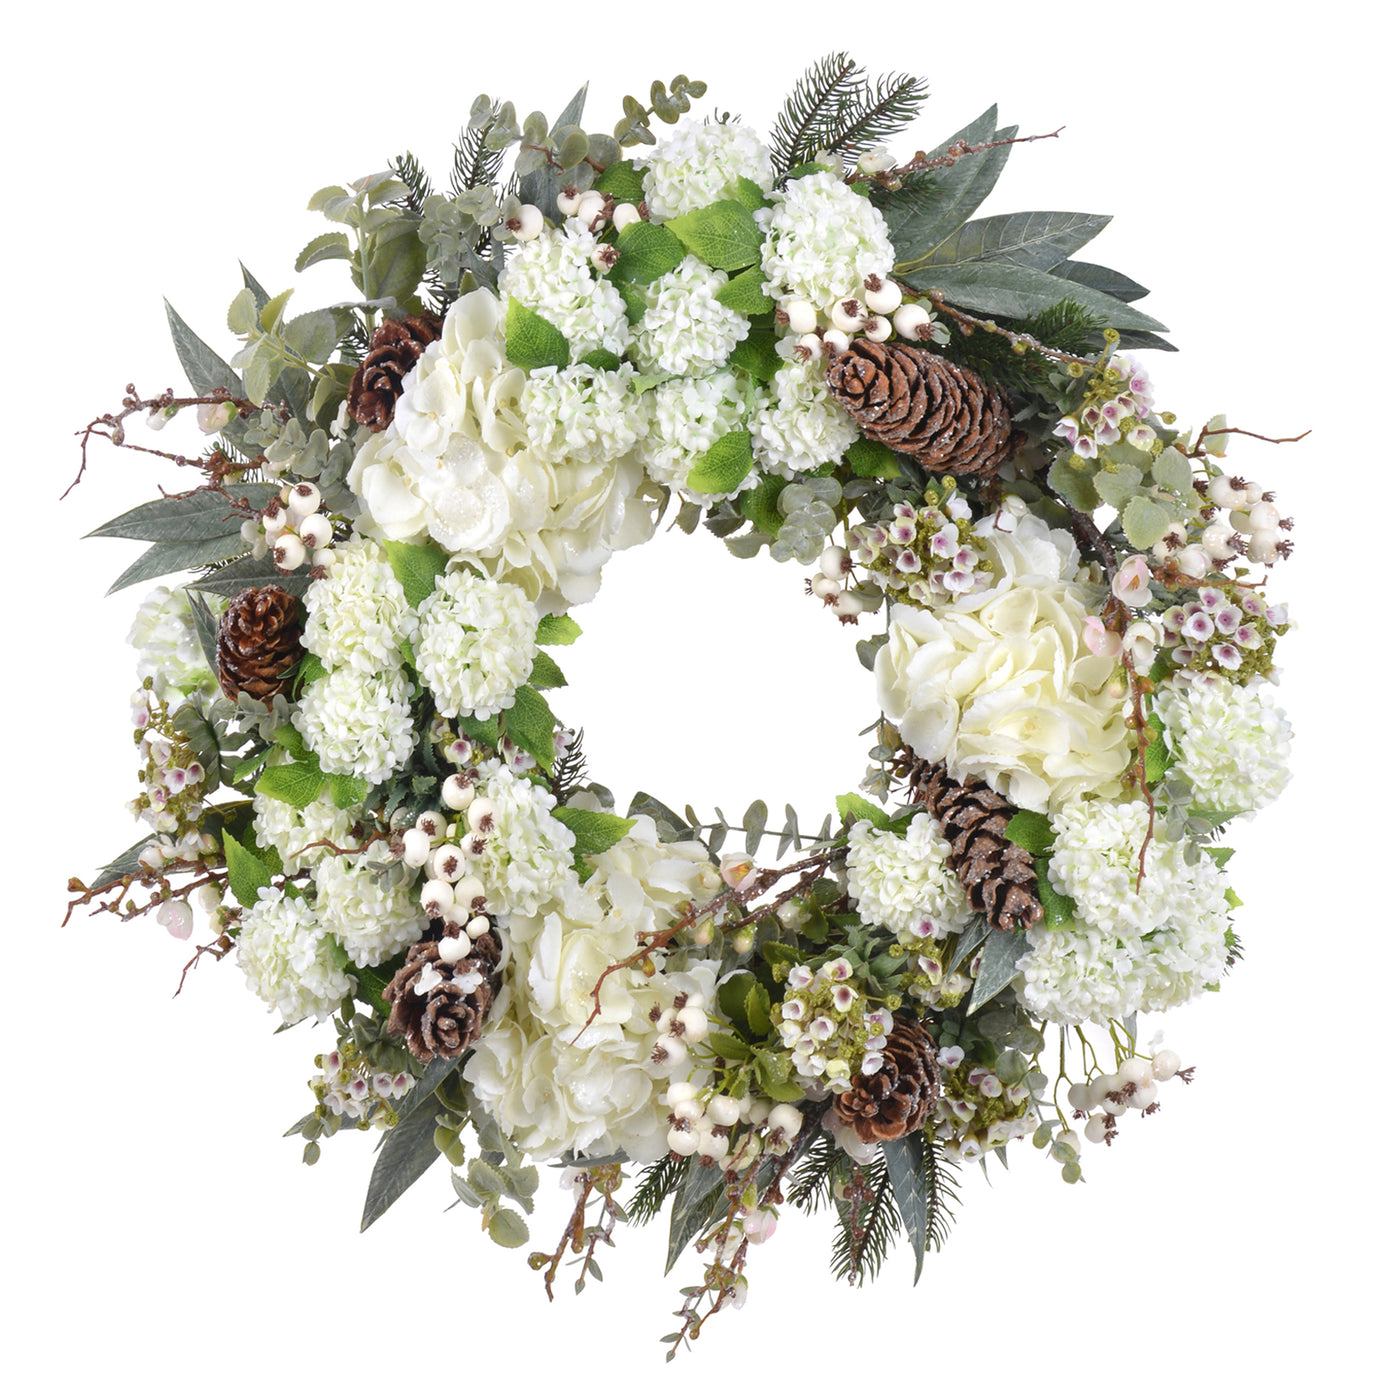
(1001, 684)
(289, 959)
(168, 649)
(555, 1086)
(905, 882)
(357, 615)
(370, 919)
(581, 415)
(553, 275)
(360, 726)
(797, 426)
(294, 833)
(474, 643)
(824, 241)
(528, 854)
(700, 164)
(685, 328)
(1231, 742)
(688, 417)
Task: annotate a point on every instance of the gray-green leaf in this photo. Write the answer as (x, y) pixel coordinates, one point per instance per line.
(207, 373)
(1003, 949)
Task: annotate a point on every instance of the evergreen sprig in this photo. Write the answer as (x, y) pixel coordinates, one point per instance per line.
(868, 1225)
(833, 107)
(570, 769)
(409, 169)
(941, 1175)
(473, 162)
(1065, 326)
(658, 1182)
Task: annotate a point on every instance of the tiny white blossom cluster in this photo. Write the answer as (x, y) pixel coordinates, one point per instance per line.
(290, 961)
(356, 612)
(685, 328)
(699, 164)
(358, 725)
(905, 882)
(368, 912)
(553, 276)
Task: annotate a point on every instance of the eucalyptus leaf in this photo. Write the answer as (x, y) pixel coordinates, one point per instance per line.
(670, 825)
(755, 819)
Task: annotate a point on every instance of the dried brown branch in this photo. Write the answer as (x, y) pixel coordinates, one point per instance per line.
(219, 948)
(147, 878)
(890, 179)
(1198, 450)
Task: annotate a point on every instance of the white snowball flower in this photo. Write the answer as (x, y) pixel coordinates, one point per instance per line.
(528, 855)
(295, 834)
(581, 415)
(357, 615)
(688, 417)
(289, 960)
(360, 726)
(474, 644)
(371, 919)
(685, 328)
(553, 276)
(553, 1080)
(824, 241)
(700, 164)
(1001, 684)
(1231, 742)
(905, 882)
(168, 649)
(798, 426)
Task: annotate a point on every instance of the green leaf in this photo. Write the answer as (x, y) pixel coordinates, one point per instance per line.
(1074, 485)
(758, 1007)
(397, 259)
(645, 252)
(1117, 488)
(1059, 908)
(207, 373)
(866, 457)
(693, 1207)
(202, 515)
(248, 572)
(851, 807)
(296, 784)
(128, 863)
(172, 556)
(1145, 522)
(724, 466)
(417, 568)
(312, 669)
(1031, 831)
(1157, 759)
(1101, 279)
(270, 313)
(722, 234)
(594, 833)
(557, 631)
(250, 765)
(531, 341)
(530, 724)
(728, 1046)
(1219, 854)
(908, 1178)
(347, 791)
(1172, 468)
(322, 248)
(754, 820)
(623, 181)
(671, 826)
(757, 353)
(750, 195)
(601, 359)
(1000, 954)
(1042, 239)
(507, 1228)
(246, 873)
(407, 1150)
(745, 293)
(206, 628)
(313, 335)
(759, 504)
(546, 674)
(732, 997)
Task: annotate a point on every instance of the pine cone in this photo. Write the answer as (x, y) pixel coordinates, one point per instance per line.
(944, 416)
(894, 1100)
(440, 1007)
(394, 349)
(998, 875)
(259, 643)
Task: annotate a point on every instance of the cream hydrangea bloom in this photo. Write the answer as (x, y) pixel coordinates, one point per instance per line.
(295, 834)
(554, 1081)
(371, 919)
(167, 647)
(357, 615)
(797, 426)
(1000, 682)
(581, 414)
(528, 855)
(685, 328)
(359, 726)
(688, 417)
(290, 961)
(700, 164)
(553, 276)
(905, 882)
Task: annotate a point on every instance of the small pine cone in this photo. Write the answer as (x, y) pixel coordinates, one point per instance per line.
(394, 349)
(894, 1100)
(998, 875)
(259, 643)
(944, 416)
(440, 1007)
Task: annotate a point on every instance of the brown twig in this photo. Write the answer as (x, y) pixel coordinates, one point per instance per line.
(147, 878)
(890, 179)
(969, 324)
(221, 947)
(1198, 450)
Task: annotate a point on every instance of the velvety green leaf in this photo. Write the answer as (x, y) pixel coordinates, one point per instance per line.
(1172, 468)
(248, 572)
(530, 723)
(246, 873)
(546, 674)
(744, 293)
(171, 556)
(757, 353)
(557, 631)
(1031, 831)
(1074, 485)
(759, 504)
(206, 371)
(1041, 239)
(417, 568)
(202, 515)
(623, 181)
(347, 791)
(866, 457)
(908, 1178)
(507, 1228)
(270, 313)
(323, 247)
(296, 784)
(722, 234)
(720, 470)
(531, 341)
(1145, 522)
(1117, 488)
(645, 252)
(313, 335)
(1000, 954)
(1101, 279)
(851, 807)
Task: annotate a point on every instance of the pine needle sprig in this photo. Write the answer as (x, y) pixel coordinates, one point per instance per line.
(810, 1184)
(570, 768)
(1066, 326)
(473, 162)
(833, 107)
(868, 1224)
(941, 1175)
(657, 1183)
(409, 169)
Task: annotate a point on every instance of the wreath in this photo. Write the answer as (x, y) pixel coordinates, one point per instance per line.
(351, 762)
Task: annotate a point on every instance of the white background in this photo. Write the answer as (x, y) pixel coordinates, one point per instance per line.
(161, 1234)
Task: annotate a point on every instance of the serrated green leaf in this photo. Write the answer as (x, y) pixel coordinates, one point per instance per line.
(1117, 488)
(530, 723)
(724, 466)
(312, 335)
(312, 668)
(270, 313)
(757, 1009)
(594, 833)
(1172, 468)
(297, 784)
(246, 873)
(601, 359)
(722, 234)
(417, 568)
(757, 353)
(347, 791)
(1157, 759)
(907, 1172)
(1000, 954)
(484, 1179)
(323, 248)
(546, 675)
(851, 807)
(1059, 908)
(730, 1047)
(1145, 522)
(1031, 831)
(744, 293)
(750, 195)
(759, 504)
(250, 765)
(206, 371)
(557, 631)
(645, 252)
(531, 341)
(1219, 854)
(623, 181)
